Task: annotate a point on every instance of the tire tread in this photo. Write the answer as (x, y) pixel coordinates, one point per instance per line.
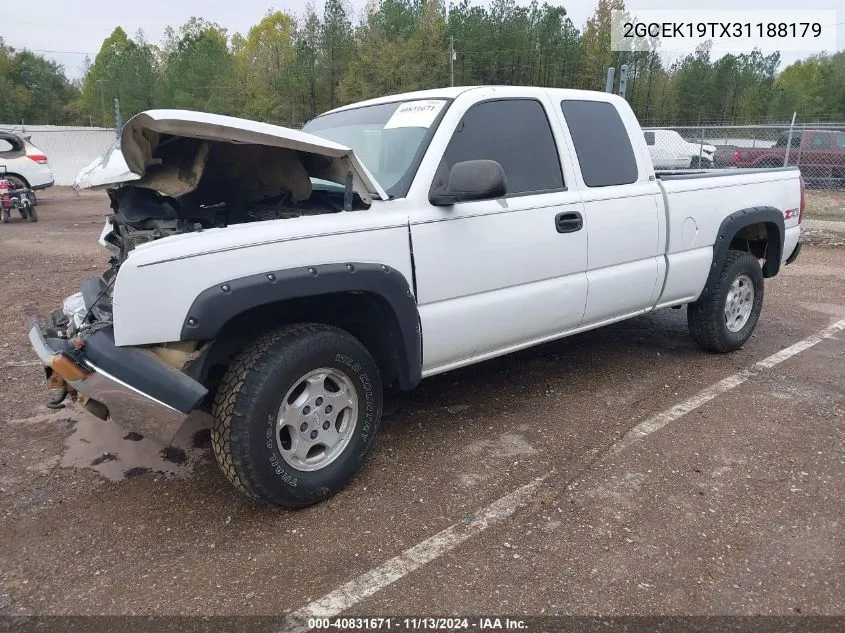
(233, 403)
(704, 316)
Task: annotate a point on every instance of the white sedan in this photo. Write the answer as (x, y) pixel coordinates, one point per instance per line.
(670, 150)
(23, 163)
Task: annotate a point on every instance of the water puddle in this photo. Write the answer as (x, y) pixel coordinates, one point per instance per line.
(119, 454)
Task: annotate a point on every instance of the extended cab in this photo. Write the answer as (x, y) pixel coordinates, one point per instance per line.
(282, 279)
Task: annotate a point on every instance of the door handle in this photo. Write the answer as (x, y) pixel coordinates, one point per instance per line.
(569, 222)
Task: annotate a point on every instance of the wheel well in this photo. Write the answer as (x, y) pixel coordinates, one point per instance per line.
(6, 175)
(366, 316)
(756, 239)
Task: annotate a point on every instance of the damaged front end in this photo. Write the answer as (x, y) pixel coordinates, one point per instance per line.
(135, 387)
(175, 172)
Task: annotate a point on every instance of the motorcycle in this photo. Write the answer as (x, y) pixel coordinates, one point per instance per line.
(14, 196)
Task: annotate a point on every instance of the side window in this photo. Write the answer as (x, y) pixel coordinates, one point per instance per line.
(783, 139)
(840, 141)
(516, 134)
(820, 141)
(649, 138)
(601, 143)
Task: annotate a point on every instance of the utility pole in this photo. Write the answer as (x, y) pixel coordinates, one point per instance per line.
(623, 80)
(118, 122)
(608, 86)
(451, 60)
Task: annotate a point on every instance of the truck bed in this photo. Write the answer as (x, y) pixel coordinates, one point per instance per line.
(694, 204)
(686, 174)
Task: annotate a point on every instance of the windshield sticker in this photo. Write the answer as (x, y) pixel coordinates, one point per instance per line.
(415, 114)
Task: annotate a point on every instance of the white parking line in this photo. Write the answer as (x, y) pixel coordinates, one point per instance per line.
(373, 581)
(657, 422)
(370, 582)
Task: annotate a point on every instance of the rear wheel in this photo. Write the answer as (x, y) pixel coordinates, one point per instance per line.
(296, 413)
(725, 315)
(16, 182)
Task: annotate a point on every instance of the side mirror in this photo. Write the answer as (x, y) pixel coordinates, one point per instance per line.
(471, 180)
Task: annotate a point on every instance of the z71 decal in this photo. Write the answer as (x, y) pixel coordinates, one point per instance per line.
(790, 213)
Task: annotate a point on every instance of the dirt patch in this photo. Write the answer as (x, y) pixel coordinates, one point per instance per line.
(827, 233)
(826, 205)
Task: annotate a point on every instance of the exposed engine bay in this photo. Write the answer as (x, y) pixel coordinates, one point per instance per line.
(190, 185)
(193, 185)
(142, 215)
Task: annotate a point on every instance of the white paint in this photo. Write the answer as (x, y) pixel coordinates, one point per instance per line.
(689, 232)
(137, 149)
(413, 558)
(348, 595)
(152, 300)
(415, 114)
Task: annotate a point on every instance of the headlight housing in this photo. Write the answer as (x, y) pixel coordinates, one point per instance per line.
(73, 307)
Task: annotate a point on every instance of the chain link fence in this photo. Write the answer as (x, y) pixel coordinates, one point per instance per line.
(818, 150)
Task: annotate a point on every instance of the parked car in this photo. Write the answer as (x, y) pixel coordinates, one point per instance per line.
(820, 153)
(669, 150)
(724, 155)
(244, 283)
(26, 165)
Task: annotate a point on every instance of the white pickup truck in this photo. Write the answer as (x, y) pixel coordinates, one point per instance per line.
(281, 279)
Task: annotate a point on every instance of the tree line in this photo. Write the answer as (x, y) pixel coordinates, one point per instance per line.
(288, 68)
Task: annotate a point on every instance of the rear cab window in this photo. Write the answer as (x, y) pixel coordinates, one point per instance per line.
(820, 141)
(601, 142)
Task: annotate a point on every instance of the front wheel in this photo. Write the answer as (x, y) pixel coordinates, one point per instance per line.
(296, 413)
(725, 315)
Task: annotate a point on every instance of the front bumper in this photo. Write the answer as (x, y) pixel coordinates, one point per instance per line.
(141, 394)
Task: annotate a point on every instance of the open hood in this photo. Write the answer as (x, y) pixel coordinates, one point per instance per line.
(170, 151)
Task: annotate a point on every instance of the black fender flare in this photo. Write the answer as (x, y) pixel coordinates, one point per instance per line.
(741, 219)
(217, 305)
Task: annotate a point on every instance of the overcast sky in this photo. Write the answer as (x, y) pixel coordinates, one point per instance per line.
(67, 30)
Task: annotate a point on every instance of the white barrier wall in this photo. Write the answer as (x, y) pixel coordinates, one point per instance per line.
(68, 149)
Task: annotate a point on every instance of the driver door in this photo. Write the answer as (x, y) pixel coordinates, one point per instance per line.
(496, 275)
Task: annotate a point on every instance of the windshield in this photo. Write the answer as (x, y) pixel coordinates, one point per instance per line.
(388, 138)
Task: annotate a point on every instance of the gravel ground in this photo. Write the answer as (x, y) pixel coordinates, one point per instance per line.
(828, 233)
(735, 508)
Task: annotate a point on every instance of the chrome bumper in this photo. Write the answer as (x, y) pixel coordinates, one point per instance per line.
(127, 406)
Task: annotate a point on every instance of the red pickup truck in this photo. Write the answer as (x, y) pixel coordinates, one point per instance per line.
(819, 153)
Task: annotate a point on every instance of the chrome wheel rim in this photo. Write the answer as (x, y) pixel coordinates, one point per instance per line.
(739, 302)
(316, 419)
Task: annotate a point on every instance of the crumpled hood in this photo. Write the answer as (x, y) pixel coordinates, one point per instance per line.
(142, 134)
